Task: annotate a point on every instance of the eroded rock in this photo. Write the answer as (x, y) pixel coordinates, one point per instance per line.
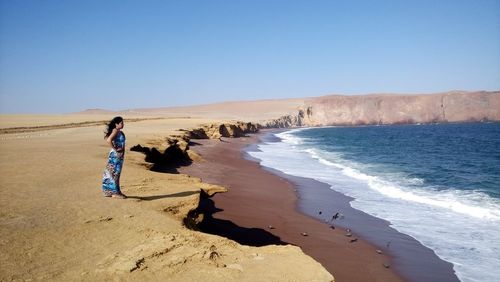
(218, 130)
(456, 106)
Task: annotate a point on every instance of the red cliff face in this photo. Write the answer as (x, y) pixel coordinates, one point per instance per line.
(401, 109)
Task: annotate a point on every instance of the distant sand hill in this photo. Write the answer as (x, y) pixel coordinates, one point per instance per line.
(374, 109)
(453, 106)
(249, 110)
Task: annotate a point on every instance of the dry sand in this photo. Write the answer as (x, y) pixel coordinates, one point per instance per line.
(55, 225)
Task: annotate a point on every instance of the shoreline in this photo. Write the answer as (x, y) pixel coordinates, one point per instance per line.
(261, 217)
(408, 259)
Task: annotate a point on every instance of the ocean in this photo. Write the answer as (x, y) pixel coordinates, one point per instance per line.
(439, 183)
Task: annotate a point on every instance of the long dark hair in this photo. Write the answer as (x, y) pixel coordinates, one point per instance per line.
(111, 125)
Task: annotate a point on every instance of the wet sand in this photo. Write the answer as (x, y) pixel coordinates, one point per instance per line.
(265, 207)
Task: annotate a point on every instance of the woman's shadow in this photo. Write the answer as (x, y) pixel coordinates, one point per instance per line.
(157, 197)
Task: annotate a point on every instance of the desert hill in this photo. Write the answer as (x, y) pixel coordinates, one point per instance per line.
(453, 106)
(403, 109)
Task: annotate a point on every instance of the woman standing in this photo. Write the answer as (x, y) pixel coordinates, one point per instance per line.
(116, 139)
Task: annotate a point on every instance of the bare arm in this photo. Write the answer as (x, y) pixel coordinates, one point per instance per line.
(111, 137)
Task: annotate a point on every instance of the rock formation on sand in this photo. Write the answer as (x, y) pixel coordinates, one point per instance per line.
(218, 130)
(171, 153)
(174, 151)
(394, 109)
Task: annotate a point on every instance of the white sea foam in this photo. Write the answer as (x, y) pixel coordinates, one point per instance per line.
(462, 227)
(463, 202)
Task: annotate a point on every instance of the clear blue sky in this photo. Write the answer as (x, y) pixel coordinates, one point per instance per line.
(66, 56)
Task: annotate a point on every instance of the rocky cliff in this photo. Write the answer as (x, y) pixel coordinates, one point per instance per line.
(394, 109)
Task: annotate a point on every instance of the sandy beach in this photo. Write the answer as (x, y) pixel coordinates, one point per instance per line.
(56, 225)
(260, 209)
(265, 207)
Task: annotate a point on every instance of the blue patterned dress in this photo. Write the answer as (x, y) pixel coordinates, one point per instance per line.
(111, 178)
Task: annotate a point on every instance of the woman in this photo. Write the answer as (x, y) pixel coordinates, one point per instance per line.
(116, 139)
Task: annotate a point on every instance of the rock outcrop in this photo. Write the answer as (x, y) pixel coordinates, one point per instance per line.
(173, 151)
(218, 130)
(287, 121)
(395, 109)
(165, 155)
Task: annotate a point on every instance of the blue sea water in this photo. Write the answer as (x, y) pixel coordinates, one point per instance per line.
(438, 183)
